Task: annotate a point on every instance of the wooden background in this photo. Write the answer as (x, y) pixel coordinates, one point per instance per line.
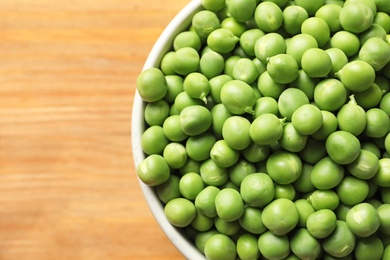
(68, 189)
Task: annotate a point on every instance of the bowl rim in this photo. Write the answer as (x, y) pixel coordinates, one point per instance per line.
(179, 23)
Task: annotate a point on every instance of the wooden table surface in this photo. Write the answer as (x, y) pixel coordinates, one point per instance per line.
(68, 188)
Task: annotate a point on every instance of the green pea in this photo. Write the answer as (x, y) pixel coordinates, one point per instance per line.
(375, 52)
(156, 112)
(256, 153)
(211, 64)
(265, 105)
(382, 177)
(280, 216)
(242, 10)
(268, 87)
(274, 246)
(180, 212)
(365, 166)
(310, 6)
(326, 174)
(229, 64)
(352, 190)
(382, 19)
(324, 199)
(169, 189)
(370, 97)
(175, 154)
(282, 68)
(338, 59)
(197, 86)
(329, 125)
(251, 220)
(356, 17)
(375, 31)
(307, 119)
(321, 223)
(204, 22)
(151, 85)
(378, 123)
(303, 183)
(235, 26)
(190, 166)
(351, 117)
(213, 5)
(290, 100)
(238, 97)
(305, 209)
(284, 167)
(318, 28)
(202, 223)
(166, 64)
(363, 220)
(175, 86)
(257, 189)
(245, 70)
(342, 147)
(229, 204)
(240, 170)
(222, 40)
(172, 129)
(219, 115)
(305, 83)
(220, 246)
(318, 68)
(268, 16)
(248, 40)
(266, 129)
(205, 201)
(293, 17)
(185, 61)
(346, 41)
(299, 44)
(269, 45)
(190, 185)
(212, 174)
(187, 39)
(195, 120)
(314, 150)
(330, 14)
(291, 140)
(223, 155)
(235, 132)
(153, 140)
(341, 211)
(198, 147)
(247, 247)
(330, 94)
(286, 191)
(304, 245)
(341, 242)
(369, 248)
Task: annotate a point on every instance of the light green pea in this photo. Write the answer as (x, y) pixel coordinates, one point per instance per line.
(211, 64)
(153, 170)
(175, 154)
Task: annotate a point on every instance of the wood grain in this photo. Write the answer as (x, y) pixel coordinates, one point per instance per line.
(68, 189)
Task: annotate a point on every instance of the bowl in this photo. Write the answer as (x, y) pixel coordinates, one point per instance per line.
(179, 23)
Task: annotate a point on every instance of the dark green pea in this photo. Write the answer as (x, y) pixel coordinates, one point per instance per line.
(211, 64)
(151, 84)
(169, 189)
(198, 147)
(341, 242)
(385, 103)
(187, 39)
(153, 170)
(204, 22)
(212, 174)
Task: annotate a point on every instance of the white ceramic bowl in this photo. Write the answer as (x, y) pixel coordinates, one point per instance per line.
(180, 23)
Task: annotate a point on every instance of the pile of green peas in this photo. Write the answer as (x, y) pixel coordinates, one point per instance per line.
(267, 129)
